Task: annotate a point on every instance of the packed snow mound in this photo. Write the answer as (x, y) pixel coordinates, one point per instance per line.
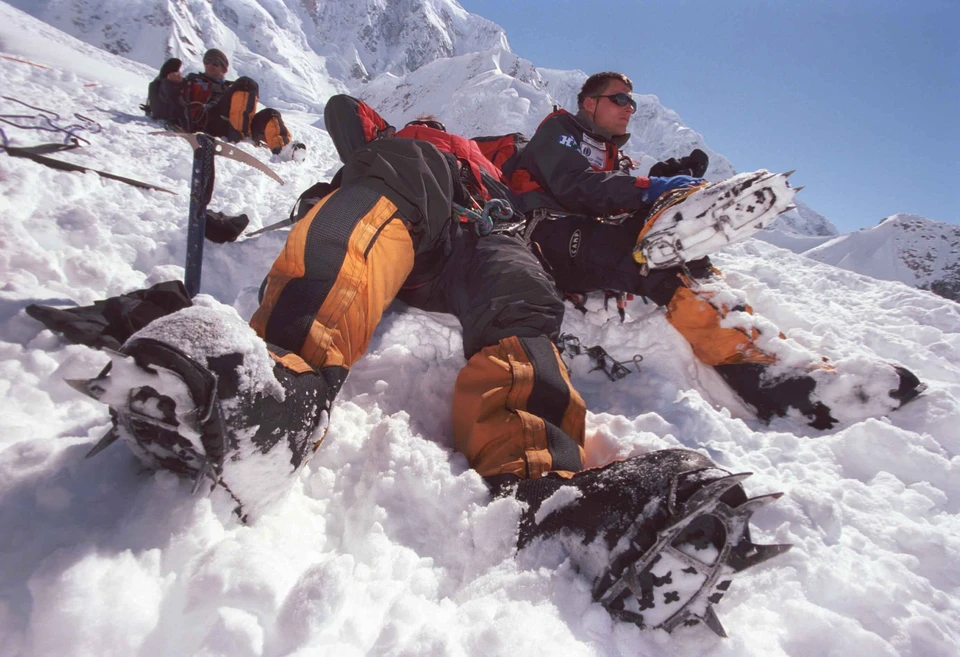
(908, 248)
(388, 543)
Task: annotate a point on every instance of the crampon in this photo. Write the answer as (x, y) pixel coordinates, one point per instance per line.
(677, 580)
(154, 410)
(689, 223)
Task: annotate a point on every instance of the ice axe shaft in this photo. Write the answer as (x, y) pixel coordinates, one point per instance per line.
(201, 189)
(205, 148)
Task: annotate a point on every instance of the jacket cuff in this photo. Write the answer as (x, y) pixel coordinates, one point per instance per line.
(642, 183)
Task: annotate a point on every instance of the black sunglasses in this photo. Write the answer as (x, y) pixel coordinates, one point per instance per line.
(430, 123)
(621, 99)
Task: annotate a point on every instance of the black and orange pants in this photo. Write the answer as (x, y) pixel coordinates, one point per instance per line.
(384, 234)
(235, 117)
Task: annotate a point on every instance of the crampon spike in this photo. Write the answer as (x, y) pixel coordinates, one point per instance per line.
(710, 493)
(757, 555)
(205, 470)
(797, 189)
(789, 173)
(108, 439)
(191, 419)
(704, 517)
(756, 503)
(710, 619)
(89, 387)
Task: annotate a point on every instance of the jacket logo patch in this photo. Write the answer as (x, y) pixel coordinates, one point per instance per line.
(575, 243)
(596, 157)
(568, 141)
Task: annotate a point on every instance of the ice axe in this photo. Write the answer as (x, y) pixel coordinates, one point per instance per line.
(205, 148)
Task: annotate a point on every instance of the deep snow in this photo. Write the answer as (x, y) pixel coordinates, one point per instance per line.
(388, 543)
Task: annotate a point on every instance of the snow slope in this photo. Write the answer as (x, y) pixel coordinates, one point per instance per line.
(388, 543)
(903, 247)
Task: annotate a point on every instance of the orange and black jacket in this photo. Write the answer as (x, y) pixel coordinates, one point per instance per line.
(573, 170)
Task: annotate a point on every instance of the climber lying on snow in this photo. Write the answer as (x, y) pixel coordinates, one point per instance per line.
(585, 215)
(200, 393)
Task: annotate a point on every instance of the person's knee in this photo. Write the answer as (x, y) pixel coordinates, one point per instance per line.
(516, 413)
(268, 127)
(246, 84)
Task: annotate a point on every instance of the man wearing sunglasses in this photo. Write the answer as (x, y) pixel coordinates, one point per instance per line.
(572, 179)
(573, 170)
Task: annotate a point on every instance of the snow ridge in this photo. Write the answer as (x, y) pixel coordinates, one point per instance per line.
(903, 247)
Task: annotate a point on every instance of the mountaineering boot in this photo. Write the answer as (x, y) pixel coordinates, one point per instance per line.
(187, 397)
(827, 396)
(658, 535)
(688, 223)
(222, 228)
(294, 150)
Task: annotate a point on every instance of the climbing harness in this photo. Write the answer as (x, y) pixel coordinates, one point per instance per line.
(483, 219)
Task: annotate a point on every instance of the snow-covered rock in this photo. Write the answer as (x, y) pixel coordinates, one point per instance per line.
(903, 247)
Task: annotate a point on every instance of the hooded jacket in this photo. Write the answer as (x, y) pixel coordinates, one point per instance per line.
(571, 166)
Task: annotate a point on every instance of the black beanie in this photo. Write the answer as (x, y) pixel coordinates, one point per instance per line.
(214, 56)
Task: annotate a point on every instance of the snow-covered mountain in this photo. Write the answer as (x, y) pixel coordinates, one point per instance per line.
(301, 51)
(388, 543)
(903, 247)
(405, 57)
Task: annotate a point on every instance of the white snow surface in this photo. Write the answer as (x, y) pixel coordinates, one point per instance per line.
(388, 543)
(903, 247)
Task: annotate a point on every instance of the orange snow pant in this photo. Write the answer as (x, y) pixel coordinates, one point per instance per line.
(515, 413)
(235, 117)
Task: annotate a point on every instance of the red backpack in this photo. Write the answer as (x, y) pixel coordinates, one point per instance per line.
(197, 91)
(480, 171)
(502, 150)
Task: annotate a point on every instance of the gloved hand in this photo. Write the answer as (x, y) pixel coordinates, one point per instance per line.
(694, 165)
(660, 186)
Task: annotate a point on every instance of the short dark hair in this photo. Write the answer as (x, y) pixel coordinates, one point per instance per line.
(597, 83)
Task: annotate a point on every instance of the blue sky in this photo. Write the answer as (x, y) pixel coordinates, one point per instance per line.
(862, 98)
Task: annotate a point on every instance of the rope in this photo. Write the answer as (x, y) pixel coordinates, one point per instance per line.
(494, 210)
(49, 118)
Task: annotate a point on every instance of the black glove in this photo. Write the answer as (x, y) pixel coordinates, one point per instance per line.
(172, 65)
(222, 228)
(693, 165)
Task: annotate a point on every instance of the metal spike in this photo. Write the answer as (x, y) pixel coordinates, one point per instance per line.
(89, 387)
(761, 553)
(789, 173)
(754, 504)
(108, 439)
(191, 419)
(205, 470)
(712, 492)
(792, 206)
(797, 189)
(710, 619)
